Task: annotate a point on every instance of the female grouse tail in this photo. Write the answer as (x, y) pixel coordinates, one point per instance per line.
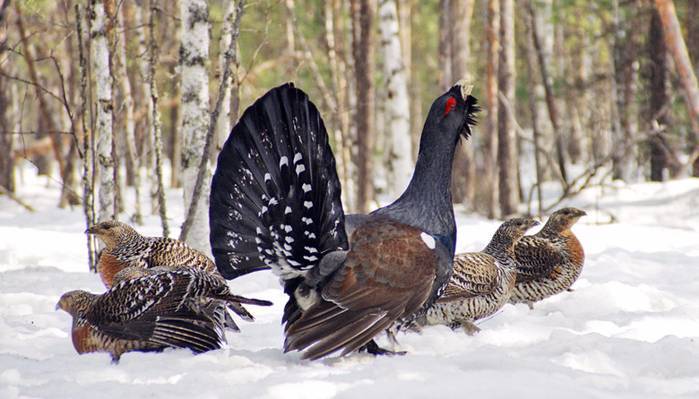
(275, 195)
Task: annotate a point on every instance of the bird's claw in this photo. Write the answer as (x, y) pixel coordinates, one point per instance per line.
(373, 348)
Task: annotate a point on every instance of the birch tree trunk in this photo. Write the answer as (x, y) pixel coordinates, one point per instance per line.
(223, 125)
(491, 92)
(508, 161)
(397, 106)
(464, 176)
(363, 54)
(155, 119)
(194, 52)
(103, 88)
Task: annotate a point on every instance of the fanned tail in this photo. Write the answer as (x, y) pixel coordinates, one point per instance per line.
(275, 195)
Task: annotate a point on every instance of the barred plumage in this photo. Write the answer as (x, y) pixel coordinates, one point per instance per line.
(163, 309)
(481, 282)
(125, 247)
(549, 261)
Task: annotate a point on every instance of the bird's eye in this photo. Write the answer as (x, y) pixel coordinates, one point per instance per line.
(451, 103)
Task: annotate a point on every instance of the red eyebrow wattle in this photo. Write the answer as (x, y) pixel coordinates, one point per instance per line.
(451, 103)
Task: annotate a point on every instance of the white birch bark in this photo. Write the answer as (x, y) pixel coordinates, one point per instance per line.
(223, 125)
(194, 52)
(397, 107)
(103, 89)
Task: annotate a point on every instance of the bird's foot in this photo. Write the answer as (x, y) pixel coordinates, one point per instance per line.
(373, 348)
(470, 328)
(530, 305)
(391, 335)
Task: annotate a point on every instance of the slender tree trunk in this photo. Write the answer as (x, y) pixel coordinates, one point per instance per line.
(363, 54)
(625, 78)
(223, 125)
(675, 44)
(397, 125)
(146, 154)
(658, 99)
(155, 118)
(464, 176)
(202, 170)
(405, 10)
(508, 160)
(46, 121)
(550, 100)
(444, 76)
(87, 147)
(534, 112)
(103, 82)
(490, 142)
(194, 52)
(129, 122)
(338, 70)
(7, 161)
(692, 25)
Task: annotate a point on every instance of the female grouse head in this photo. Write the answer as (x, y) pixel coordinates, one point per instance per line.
(563, 219)
(76, 303)
(113, 233)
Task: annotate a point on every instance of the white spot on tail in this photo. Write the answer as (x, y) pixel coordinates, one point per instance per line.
(297, 157)
(428, 240)
(308, 204)
(306, 187)
(287, 210)
(268, 177)
(283, 161)
(300, 169)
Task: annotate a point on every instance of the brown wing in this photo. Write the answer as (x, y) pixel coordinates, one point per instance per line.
(170, 252)
(536, 258)
(149, 309)
(388, 273)
(475, 273)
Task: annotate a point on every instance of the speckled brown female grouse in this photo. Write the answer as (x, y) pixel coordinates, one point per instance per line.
(549, 261)
(167, 309)
(481, 282)
(125, 247)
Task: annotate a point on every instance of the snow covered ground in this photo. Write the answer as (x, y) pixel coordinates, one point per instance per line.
(629, 330)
